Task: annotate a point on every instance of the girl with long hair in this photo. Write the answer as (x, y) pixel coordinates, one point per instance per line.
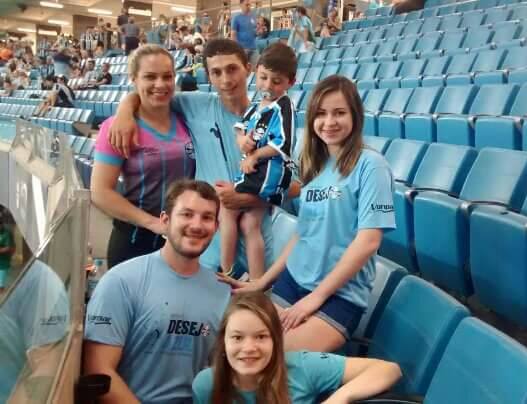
(249, 364)
(322, 280)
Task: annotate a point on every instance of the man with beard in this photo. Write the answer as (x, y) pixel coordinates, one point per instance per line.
(152, 320)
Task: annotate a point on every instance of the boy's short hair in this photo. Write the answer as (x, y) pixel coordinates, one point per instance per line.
(279, 58)
(217, 47)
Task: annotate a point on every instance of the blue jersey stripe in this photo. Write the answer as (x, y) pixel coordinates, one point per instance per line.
(142, 195)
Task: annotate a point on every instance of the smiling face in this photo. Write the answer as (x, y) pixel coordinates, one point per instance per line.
(248, 347)
(271, 84)
(228, 75)
(154, 80)
(333, 121)
(191, 224)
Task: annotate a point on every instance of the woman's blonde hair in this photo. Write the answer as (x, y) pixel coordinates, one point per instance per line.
(273, 387)
(134, 60)
(314, 151)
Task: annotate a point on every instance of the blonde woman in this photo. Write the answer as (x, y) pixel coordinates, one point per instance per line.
(163, 154)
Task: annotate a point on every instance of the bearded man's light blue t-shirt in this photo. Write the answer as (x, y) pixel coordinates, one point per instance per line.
(217, 159)
(166, 324)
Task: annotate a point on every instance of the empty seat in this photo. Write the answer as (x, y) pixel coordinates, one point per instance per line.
(498, 14)
(412, 28)
(385, 51)
(503, 131)
(300, 75)
(319, 58)
(394, 106)
(409, 68)
(486, 61)
(409, 334)
(395, 30)
(334, 56)
(373, 104)
(512, 68)
(422, 102)
(479, 365)
(477, 38)
(385, 70)
(367, 53)
(348, 70)
(451, 22)
(350, 54)
(435, 68)
(441, 222)
(432, 25)
(473, 19)
(459, 64)
(466, 6)
(453, 100)
(519, 12)
(404, 157)
(443, 168)
(450, 42)
(304, 59)
(366, 74)
(506, 35)
(328, 71)
(425, 44)
(377, 143)
(493, 99)
(284, 227)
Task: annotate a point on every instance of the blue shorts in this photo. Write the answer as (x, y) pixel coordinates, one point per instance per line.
(341, 314)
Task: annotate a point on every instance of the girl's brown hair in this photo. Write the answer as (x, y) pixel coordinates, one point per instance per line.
(134, 60)
(272, 388)
(314, 151)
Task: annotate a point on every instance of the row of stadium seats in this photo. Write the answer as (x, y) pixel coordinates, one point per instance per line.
(450, 202)
(427, 12)
(492, 20)
(478, 116)
(441, 354)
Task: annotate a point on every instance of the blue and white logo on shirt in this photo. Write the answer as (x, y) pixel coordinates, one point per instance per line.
(323, 194)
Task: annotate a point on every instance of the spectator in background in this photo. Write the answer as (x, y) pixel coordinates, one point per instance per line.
(90, 75)
(243, 30)
(206, 24)
(185, 35)
(285, 19)
(334, 23)
(224, 22)
(62, 62)
(121, 21)
(61, 95)
(8, 88)
(302, 37)
(263, 26)
(104, 77)
(324, 30)
(131, 32)
(6, 51)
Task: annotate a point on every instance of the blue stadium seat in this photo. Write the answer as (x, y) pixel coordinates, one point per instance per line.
(385, 51)
(443, 168)
(348, 70)
(480, 364)
(319, 58)
(328, 70)
(377, 143)
(476, 38)
(404, 157)
(466, 6)
(366, 53)
(300, 75)
(473, 19)
(304, 59)
(441, 222)
(435, 68)
(484, 4)
(432, 25)
(405, 46)
(422, 102)
(409, 68)
(334, 56)
(388, 69)
(506, 35)
(330, 42)
(486, 61)
(503, 131)
(453, 100)
(387, 276)
(513, 67)
(366, 75)
(296, 97)
(409, 335)
(498, 260)
(395, 30)
(373, 104)
(451, 22)
(377, 34)
(519, 12)
(361, 37)
(498, 14)
(492, 99)
(412, 15)
(390, 123)
(346, 38)
(447, 9)
(450, 43)
(412, 28)
(284, 226)
(425, 44)
(429, 12)
(350, 54)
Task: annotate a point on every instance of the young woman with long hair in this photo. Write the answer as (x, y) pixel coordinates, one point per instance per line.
(249, 364)
(322, 280)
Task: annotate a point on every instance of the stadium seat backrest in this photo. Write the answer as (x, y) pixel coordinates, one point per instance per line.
(413, 331)
(473, 18)
(375, 99)
(361, 37)
(437, 66)
(447, 9)
(395, 30)
(480, 364)
(367, 71)
(506, 32)
(519, 13)
(284, 226)
(413, 67)
(519, 106)
(348, 70)
(494, 99)
(350, 53)
(412, 28)
(489, 60)
(406, 45)
(305, 59)
(429, 42)
(477, 37)
(404, 157)
(388, 70)
(484, 4)
(497, 15)
(497, 175)
(452, 39)
(296, 97)
(334, 54)
(466, 6)
(432, 25)
(398, 100)
(456, 99)
(319, 58)
(444, 167)
(377, 34)
(328, 70)
(377, 143)
(451, 22)
(423, 100)
(516, 58)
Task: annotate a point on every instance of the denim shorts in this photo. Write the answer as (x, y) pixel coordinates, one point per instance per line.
(341, 314)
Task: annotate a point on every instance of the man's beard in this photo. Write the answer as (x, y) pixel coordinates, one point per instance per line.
(186, 254)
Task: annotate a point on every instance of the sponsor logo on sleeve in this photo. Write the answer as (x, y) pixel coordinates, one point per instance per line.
(379, 207)
(99, 320)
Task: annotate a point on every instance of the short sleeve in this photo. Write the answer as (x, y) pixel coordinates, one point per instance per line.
(104, 151)
(376, 199)
(110, 311)
(323, 370)
(202, 387)
(234, 24)
(191, 104)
